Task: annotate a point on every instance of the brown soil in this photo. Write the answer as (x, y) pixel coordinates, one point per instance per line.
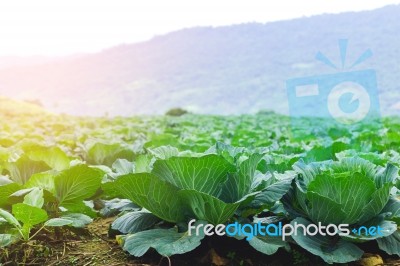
(81, 248)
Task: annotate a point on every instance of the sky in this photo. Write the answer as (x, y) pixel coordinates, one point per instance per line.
(65, 27)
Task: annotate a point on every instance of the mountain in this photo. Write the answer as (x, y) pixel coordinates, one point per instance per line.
(224, 70)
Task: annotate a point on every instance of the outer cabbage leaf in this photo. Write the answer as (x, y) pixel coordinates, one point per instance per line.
(76, 184)
(107, 154)
(24, 168)
(208, 208)
(239, 184)
(52, 156)
(156, 195)
(133, 222)
(205, 174)
(268, 245)
(351, 192)
(6, 191)
(390, 244)
(329, 249)
(167, 242)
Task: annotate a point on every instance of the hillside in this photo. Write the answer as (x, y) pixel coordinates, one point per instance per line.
(10, 107)
(232, 69)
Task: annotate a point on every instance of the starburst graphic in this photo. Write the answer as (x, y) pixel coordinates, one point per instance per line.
(341, 99)
(343, 43)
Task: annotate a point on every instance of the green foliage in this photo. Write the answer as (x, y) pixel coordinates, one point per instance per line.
(74, 185)
(350, 191)
(158, 173)
(176, 112)
(166, 241)
(133, 222)
(339, 251)
(25, 216)
(206, 187)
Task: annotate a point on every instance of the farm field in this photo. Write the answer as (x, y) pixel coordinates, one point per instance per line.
(122, 191)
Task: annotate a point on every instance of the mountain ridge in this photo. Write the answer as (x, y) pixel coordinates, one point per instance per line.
(223, 70)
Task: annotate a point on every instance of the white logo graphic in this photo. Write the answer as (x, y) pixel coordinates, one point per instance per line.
(358, 93)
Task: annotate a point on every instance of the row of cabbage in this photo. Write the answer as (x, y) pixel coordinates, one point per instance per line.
(160, 173)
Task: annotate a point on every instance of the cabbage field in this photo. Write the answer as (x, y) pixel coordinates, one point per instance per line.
(123, 190)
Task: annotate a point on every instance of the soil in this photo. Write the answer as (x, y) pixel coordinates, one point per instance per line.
(93, 246)
(88, 247)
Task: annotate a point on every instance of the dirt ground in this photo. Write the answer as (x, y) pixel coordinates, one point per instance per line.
(81, 248)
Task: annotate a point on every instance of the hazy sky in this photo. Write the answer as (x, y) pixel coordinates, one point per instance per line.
(61, 27)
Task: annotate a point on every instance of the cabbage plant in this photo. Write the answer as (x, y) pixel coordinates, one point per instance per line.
(211, 188)
(351, 191)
